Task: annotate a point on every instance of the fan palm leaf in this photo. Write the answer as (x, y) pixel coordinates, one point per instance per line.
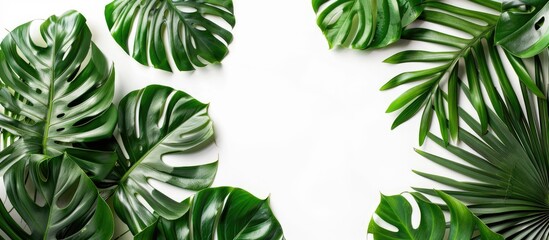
(508, 165)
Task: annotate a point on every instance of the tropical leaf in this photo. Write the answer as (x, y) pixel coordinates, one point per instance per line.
(362, 24)
(521, 28)
(397, 211)
(155, 121)
(64, 205)
(193, 38)
(508, 165)
(219, 213)
(57, 94)
(475, 54)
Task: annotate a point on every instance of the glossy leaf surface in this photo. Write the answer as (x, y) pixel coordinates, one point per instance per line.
(522, 28)
(222, 213)
(483, 69)
(362, 24)
(194, 39)
(506, 167)
(153, 122)
(397, 211)
(65, 203)
(57, 93)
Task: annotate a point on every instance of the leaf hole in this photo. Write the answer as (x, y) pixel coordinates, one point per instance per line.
(173, 192)
(186, 9)
(35, 36)
(60, 129)
(219, 21)
(21, 54)
(200, 27)
(144, 202)
(83, 121)
(67, 195)
(61, 115)
(38, 91)
(382, 223)
(416, 212)
(539, 23)
(66, 53)
(74, 74)
(32, 191)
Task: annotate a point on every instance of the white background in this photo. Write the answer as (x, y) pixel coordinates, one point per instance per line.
(293, 119)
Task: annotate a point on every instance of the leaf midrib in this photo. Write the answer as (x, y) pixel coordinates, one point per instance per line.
(145, 156)
(50, 98)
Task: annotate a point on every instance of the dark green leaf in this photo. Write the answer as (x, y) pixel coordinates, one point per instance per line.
(362, 24)
(153, 122)
(194, 40)
(219, 213)
(58, 94)
(397, 211)
(522, 27)
(507, 166)
(65, 205)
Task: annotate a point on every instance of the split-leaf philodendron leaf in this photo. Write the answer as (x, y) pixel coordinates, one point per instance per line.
(194, 39)
(57, 93)
(57, 144)
(522, 29)
(64, 204)
(222, 213)
(153, 122)
(362, 24)
(397, 211)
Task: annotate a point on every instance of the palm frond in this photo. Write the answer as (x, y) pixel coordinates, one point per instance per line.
(473, 51)
(509, 164)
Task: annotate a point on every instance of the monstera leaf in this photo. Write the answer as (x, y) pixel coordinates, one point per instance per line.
(64, 205)
(193, 38)
(155, 121)
(58, 93)
(362, 24)
(219, 213)
(397, 211)
(522, 29)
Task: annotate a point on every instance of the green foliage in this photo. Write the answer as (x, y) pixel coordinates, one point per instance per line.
(65, 203)
(508, 165)
(362, 24)
(509, 158)
(155, 121)
(222, 213)
(57, 96)
(397, 211)
(522, 29)
(58, 145)
(194, 40)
